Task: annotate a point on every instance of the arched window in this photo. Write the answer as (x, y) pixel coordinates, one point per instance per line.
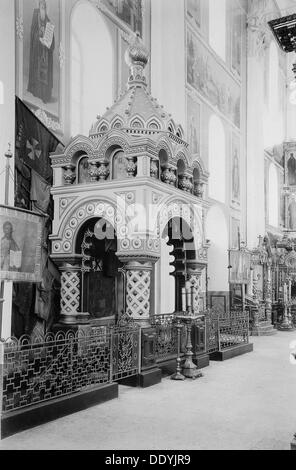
(83, 176)
(217, 160)
(91, 79)
(119, 166)
(180, 170)
(273, 196)
(217, 27)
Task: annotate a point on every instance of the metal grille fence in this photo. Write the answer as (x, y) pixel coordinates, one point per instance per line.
(63, 364)
(226, 330)
(166, 336)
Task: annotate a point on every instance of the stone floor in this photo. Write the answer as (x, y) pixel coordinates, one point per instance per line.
(247, 402)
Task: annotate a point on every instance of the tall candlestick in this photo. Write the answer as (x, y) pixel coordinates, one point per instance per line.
(192, 298)
(183, 299)
(188, 295)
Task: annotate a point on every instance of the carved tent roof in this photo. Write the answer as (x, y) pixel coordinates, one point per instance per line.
(136, 108)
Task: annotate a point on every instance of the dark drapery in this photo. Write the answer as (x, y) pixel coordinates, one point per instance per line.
(34, 305)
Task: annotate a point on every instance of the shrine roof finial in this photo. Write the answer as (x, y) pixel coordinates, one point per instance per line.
(136, 57)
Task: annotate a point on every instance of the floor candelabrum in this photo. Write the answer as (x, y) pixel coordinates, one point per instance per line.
(188, 318)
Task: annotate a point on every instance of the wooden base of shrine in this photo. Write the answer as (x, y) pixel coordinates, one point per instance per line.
(145, 379)
(201, 360)
(263, 329)
(231, 352)
(19, 420)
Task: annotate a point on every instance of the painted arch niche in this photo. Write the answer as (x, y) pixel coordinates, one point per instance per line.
(217, 233)
(92, 66)
(217, 159)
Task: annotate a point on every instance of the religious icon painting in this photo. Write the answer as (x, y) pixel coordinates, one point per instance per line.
(39, 54)
(209, 78)
(128, 11)
(235, 172)
(240, 265)
(193, 125)
(235, 233)
(194, 11)
(236, 39)
(20, 248)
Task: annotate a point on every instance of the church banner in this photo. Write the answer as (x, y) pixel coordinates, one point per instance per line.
(34, 141)
(239, 266)
(20, 249)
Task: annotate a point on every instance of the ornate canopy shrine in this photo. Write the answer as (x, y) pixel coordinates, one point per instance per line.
(116, 194)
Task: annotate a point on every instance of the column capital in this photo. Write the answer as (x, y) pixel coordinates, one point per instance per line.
(64, 261)
(137, 258)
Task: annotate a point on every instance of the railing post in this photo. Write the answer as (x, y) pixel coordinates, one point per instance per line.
(111, 352)
(218, 326)
(139, 350)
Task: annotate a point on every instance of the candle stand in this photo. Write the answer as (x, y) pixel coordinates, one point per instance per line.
(189, 369)
(178, 375)
(286, 323)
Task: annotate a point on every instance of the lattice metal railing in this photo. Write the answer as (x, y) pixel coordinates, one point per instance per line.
(212, 331)
(233, 329)
(66, 363)
(166, 344)
(226, 330)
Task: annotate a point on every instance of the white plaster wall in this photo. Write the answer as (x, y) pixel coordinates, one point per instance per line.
(291, 100)
(92, 66)
(217, 233)
(168, 56)
(255, 150)
(7, 123)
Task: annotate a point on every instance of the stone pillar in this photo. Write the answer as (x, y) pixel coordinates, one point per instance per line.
(138, 280)
(71, 292)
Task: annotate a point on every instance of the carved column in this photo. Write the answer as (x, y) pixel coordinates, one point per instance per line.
(70, 313)
(256, 301)
(194, 279)
(93, 171)
(69, 173)
(268, 293)
(168, 176)
(138, 280)
(131, 166)
(103, 171)
(154, 168)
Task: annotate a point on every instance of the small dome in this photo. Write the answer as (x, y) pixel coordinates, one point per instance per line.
(136, 53)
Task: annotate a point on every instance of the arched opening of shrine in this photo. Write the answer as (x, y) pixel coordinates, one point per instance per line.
(177, 268)
(102, 281)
